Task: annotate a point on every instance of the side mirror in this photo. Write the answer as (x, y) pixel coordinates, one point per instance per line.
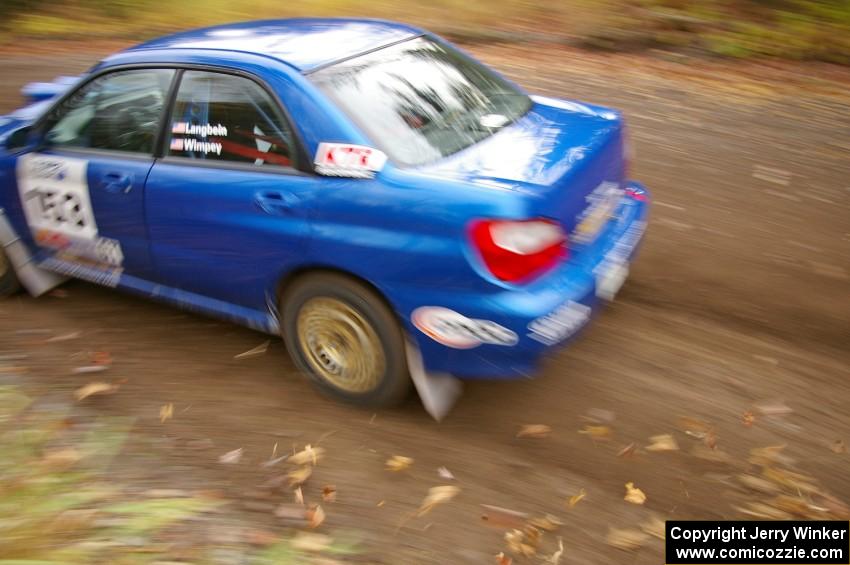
(19, 138)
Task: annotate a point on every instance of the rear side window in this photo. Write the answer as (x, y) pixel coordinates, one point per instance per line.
(119, 111)
(421, 100)
(227, 118)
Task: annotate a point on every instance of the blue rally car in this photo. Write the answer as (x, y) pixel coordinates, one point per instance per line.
(361, 187)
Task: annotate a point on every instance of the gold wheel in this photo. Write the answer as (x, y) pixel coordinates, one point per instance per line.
(340, 346)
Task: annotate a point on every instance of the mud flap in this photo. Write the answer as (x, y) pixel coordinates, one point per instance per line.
(439, 391)
(37, 281)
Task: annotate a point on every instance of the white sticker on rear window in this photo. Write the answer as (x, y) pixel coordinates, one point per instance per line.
(347, 160)
(55, 195)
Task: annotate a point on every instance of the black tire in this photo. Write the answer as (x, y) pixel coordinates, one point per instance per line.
(392, 384)
(9, 284)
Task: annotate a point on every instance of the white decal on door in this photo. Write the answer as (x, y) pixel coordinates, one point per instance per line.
(55, 195)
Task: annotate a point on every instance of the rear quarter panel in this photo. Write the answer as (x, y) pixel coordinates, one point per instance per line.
(405, 232)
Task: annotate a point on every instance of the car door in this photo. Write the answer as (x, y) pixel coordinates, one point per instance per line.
(82, 191)
(227, 207)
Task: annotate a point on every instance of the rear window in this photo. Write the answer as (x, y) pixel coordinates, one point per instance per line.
(421, 100)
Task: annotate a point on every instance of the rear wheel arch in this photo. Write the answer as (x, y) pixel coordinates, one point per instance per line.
(324, 351)
(287, 280)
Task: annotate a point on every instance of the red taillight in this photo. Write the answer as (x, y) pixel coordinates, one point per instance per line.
(515, 250)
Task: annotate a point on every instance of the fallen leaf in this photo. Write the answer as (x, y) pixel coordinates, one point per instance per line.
(597, 433)
(555, 558)
(793, 481)
(166, 412)
(711, 454)
(502, 559)
(518, 543)
(167, 493)
(694, 427)
(100, 358)
(307, 455)
(329, 493)
(664, 442)
(231, 457)
(94, 389)
(437, 495)
(299, 496)
(89, 369)
(381, 503)
(764, 511)
(6, 357)
(444, 473)
(793, 505)
(315, 516)
(748, 418)
(503, 517)
(634, 494)
(64, 337)
(773, 408)
(767, 456)
(626, 539)
(310, 542)
(514, 540)
(537, 431)
(599, 416)
(576, 498)
(34, 331)
(533, 535)
(655, 527)
(548, 523)
(299, 476)
(838, 446)
(398, 463)
(627, 451)
(710, 440)
(292, 515)
(259, 350)
(758, 484)
(275, 461)
(837, 509)
(62, 458)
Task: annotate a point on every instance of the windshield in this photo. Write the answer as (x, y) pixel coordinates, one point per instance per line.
(421, 100)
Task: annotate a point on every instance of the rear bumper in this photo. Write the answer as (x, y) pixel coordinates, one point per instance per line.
(534, 319)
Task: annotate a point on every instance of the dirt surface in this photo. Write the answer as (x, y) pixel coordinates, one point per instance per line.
(737, 313)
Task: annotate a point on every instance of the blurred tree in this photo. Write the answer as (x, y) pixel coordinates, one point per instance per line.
(10, 7)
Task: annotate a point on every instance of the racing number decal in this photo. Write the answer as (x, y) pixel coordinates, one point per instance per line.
(55, 196)
(57, 208)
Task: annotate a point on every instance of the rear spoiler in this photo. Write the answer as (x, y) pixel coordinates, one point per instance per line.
(40, 91)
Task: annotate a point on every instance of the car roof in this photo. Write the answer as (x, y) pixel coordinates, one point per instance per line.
(303, 43)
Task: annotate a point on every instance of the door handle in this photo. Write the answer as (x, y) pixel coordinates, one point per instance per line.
(275, 203)
(116, 182)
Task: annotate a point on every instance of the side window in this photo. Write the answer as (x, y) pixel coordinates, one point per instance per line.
(119, 111)
(220, 117)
